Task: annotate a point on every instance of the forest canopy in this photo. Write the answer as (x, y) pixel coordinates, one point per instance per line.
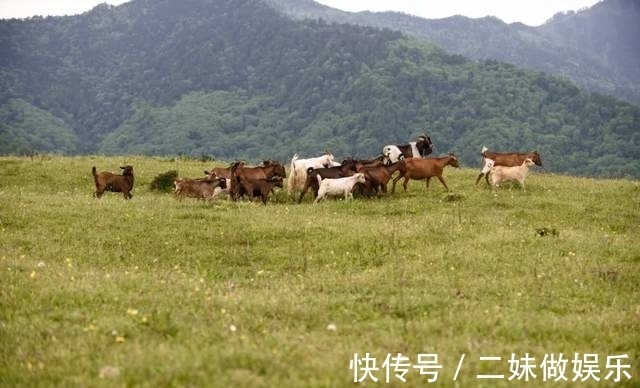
(237, 79)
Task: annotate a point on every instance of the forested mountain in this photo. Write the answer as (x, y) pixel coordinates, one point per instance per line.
(237, 78)
(597, 48)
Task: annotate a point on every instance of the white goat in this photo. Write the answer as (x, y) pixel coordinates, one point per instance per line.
(501, 174)
(487, 165)
(392, 154)
(338, 186)
(298, 172)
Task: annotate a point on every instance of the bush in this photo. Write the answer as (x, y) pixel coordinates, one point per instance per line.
(164, 182)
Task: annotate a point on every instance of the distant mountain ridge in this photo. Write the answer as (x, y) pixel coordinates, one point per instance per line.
(239, 79)
(597, 48)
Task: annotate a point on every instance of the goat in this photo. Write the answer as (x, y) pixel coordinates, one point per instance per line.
(501, 174)
(419, 168)
(347, 168)
(365, 189)
(222, 190)
(299, 167)
(268, 166)
(204, 188)
(509, 159)
(375, 162)
(420, 148)
(392, 153)
(262, 187)
(249, 181)
(107, 181)
(377, 177)
(338, 186)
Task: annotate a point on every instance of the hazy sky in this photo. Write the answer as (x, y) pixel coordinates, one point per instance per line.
(26, 8)
(531, 12)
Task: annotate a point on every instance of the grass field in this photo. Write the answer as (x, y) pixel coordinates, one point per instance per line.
(156, 292)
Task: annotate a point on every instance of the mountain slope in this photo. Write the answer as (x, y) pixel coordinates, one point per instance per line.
(25, 128)
(596, 48)
(608, 31)
(239, 79)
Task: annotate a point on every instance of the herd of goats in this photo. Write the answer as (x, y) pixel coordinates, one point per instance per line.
(325, 177)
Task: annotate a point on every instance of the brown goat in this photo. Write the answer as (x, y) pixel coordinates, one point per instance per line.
(507, 159)
(375, 162)
(107, 181)
(378, 177)
(268, 166)
(253, 181)
(203, 188)
(425, 168)
(221, 172)
(262, 187)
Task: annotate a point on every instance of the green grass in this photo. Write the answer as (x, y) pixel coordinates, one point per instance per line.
(195, 294)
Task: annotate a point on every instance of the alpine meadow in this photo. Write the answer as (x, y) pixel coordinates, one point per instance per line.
(154, 291)
(241, 79)
(111, 280)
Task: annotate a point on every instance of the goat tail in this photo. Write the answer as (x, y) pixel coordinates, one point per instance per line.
(293, 164)
(94, 172)
(292, 174)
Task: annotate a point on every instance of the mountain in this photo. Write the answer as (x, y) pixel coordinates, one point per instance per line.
(239, 79)
(596, 47)
(607, 32)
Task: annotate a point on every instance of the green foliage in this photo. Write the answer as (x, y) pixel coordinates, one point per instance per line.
(163, 182)
(596, 47)
(240, 80)
(160, 292)
(25, 129)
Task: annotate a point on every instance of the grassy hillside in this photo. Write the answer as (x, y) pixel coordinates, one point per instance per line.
(160, 292)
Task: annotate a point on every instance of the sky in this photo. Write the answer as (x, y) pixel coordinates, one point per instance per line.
(530, 12)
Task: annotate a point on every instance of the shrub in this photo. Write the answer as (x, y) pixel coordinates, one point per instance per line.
(163, 182)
